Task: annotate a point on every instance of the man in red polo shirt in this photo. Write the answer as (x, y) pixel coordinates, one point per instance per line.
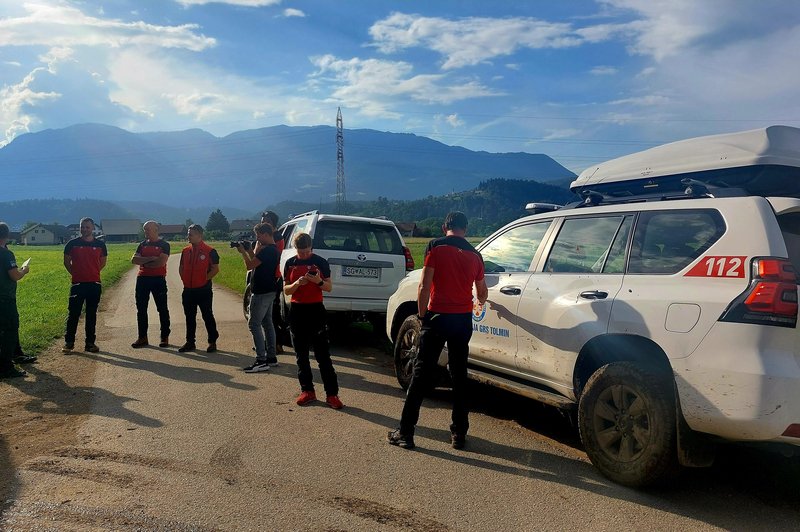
(151, 256)
(84, 257)
(444, 304)
(199, 264)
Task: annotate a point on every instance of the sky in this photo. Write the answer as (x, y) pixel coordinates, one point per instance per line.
(581, 81)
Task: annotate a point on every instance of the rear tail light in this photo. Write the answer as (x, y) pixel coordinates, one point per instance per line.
(771, 298)
(409, 259)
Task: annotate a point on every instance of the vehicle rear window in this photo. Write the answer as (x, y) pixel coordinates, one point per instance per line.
(666, 242)
(357, 236)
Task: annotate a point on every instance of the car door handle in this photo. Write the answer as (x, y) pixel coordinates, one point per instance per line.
(511, 290)
(594, 294)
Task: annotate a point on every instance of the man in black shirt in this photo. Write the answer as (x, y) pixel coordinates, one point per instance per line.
(263, 260)
(9, 318)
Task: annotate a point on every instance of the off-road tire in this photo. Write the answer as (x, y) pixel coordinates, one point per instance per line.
(406, 347)
(626, 418)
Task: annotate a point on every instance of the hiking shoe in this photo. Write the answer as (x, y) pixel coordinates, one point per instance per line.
(164, 342)
(25, 359)
(188, 346)
(13, 373)
(457, 440)
(257, 367)
(306, 397)
(273, 363)
(406, 441)
(91, 348)
(68, 347)
(140, 342)
(334, 402)
(212, 347)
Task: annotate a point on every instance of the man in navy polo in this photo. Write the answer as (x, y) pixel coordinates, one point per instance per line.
(84, 258)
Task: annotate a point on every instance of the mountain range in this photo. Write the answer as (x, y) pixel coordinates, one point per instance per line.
(251, 169)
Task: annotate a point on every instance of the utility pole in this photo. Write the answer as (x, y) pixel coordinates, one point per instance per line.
(341, 199)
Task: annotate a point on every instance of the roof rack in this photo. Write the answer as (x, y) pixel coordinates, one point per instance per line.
(692, 190)
(536, 208)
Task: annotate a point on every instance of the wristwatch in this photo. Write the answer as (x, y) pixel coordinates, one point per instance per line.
(321, 282)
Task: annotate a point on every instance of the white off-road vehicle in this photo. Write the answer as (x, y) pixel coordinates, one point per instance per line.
(368, 258)
(662, 307)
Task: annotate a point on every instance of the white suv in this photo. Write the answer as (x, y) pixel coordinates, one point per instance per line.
(662, 307)
(368, 258)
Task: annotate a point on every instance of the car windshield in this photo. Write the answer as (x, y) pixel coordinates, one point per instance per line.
(357, 236)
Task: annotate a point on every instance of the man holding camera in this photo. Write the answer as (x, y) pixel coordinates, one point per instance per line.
(263, 260)
(306, 276)
(199, 264)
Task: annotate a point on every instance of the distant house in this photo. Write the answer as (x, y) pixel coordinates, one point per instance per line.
(43, 235)
(172, 232)
(242, 228)
(121, 230)
(406, 228)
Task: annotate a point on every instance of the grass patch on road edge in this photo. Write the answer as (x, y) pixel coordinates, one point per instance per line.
(42, 295)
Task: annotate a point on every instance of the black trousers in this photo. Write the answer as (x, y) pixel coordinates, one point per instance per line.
(307, 324)
(192, 299)
(80, 293)
(9, 333)
(158, 287)
(438, 329)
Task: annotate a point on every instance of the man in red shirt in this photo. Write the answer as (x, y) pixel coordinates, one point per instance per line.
(84, 258)
(444, 305)
(199, 264)
(151, 256)
(306, 276)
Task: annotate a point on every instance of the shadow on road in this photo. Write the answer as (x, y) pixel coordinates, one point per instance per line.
(169, 371)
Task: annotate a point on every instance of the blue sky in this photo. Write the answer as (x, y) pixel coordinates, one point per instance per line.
(581, 81)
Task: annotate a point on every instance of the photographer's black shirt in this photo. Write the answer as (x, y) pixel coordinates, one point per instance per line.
(264, 274)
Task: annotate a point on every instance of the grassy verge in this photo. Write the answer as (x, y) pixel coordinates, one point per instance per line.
(232, 270)
(42, 294)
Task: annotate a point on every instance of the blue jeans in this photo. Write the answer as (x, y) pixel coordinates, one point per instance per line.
(261, 326)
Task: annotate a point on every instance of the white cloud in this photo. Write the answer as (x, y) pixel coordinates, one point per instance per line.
(374, 86)
(473, 40)
(246, 3)
(604, 70)
(12, 63)
(291, 12)
(62, 25)
(452, 120)
(649, 100)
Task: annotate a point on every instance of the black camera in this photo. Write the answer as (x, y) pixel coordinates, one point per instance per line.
(244, 243)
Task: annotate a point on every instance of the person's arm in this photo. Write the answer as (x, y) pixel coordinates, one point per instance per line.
(18, 273)
(103, 260)
(325, 284)
(157, 262)
(482, 291)
(137, 258)
(289, 289)
(250, 260)
(424, 291)
(68, 263)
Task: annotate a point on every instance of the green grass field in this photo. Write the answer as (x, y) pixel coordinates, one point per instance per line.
(42, 294)
(417, 246)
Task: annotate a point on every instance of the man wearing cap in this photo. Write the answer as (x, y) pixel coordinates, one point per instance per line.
(84, 258)
(151, 256)
(444, 305)
(199, 264)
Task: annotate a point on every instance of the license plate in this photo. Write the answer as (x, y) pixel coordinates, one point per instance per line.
(360, 271)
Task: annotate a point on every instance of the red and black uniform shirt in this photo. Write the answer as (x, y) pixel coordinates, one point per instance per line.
(196, 262)
(456, 266)
(153, 249)
(296, 268)
(85, 258)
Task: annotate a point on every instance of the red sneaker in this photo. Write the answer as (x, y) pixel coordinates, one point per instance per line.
(305, 398)
(334, 402)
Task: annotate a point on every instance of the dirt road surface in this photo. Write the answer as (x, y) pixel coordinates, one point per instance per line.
(153, 439)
